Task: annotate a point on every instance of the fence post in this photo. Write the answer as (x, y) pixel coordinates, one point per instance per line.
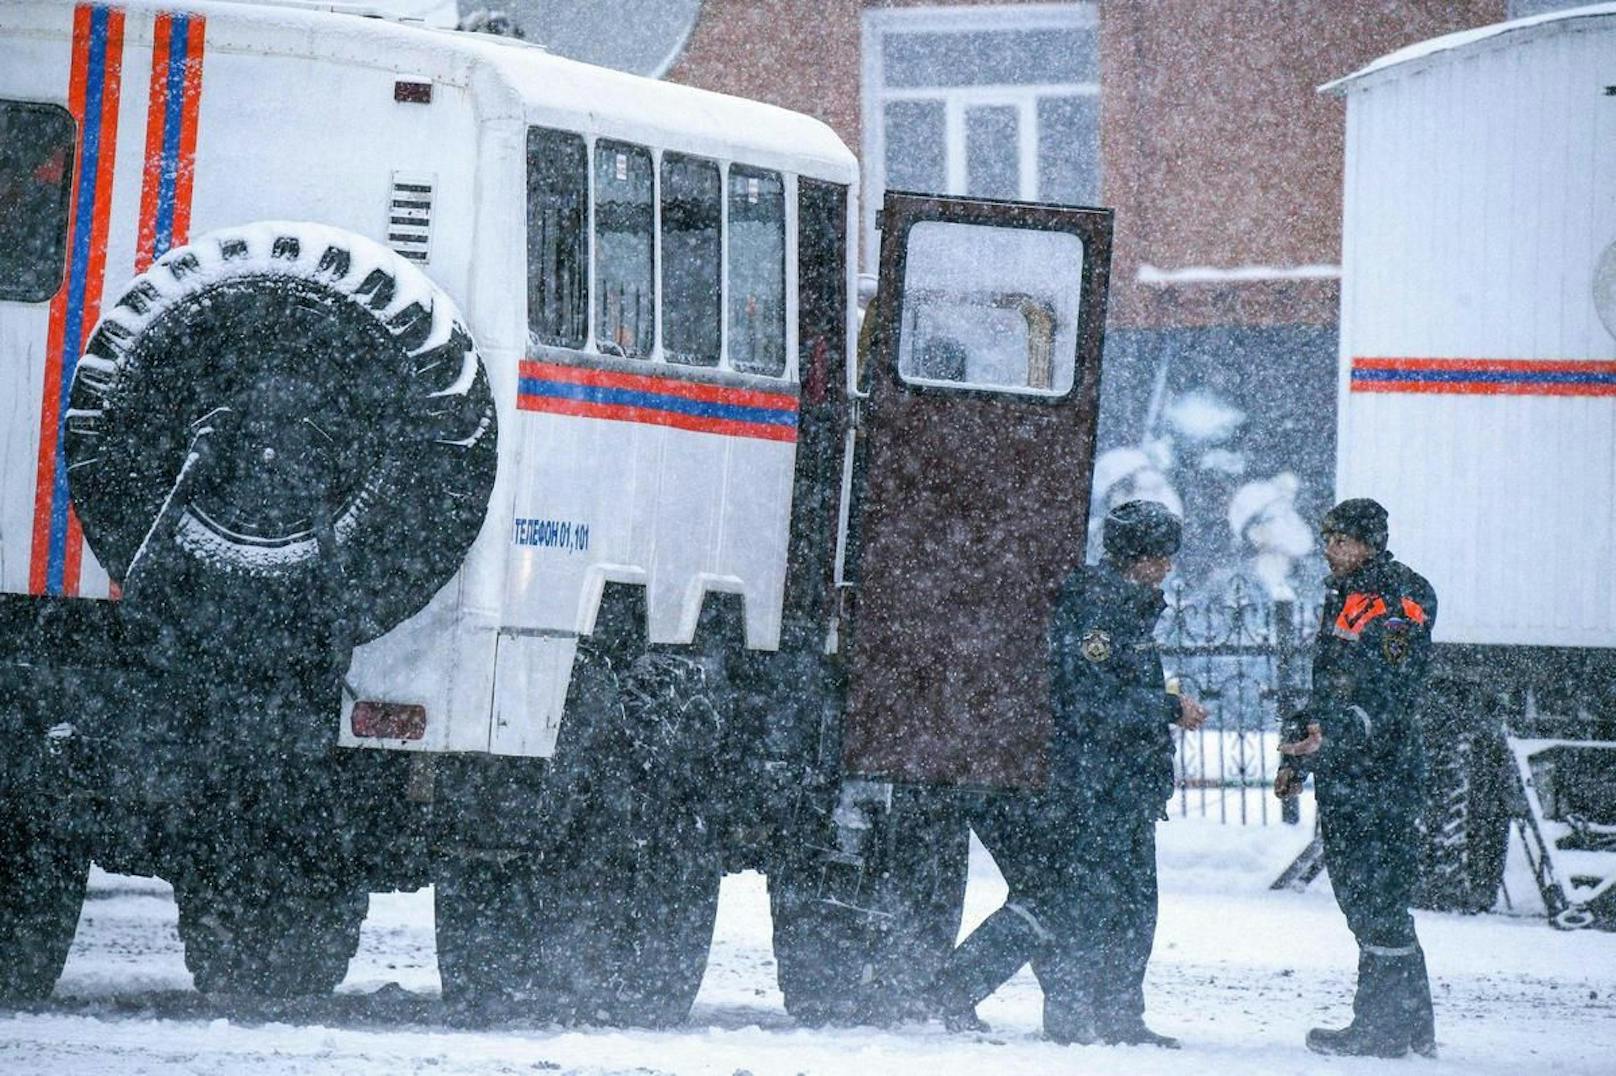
(1290, 810)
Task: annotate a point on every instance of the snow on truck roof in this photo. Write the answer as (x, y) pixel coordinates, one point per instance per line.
(544, 88)
(1452, 46)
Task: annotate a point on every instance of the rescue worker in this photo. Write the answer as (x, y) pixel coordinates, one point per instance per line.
(1360, 738)
(1079, 856)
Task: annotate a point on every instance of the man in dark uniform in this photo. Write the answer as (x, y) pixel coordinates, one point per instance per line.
(1080, 855)
(1360, 738)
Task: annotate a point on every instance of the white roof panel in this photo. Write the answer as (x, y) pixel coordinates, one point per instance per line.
(1448, 45)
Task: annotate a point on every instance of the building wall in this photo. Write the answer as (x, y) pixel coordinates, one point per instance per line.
(1219, 153)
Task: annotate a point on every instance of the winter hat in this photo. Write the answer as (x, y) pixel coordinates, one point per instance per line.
(1137, 529)
(1360, 518)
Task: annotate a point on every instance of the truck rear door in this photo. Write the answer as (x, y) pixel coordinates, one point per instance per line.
(972, 489)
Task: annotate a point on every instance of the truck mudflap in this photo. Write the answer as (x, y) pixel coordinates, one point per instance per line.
(1567, 825)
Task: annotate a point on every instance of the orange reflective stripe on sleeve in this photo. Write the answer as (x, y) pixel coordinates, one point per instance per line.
(1414, 610)
(1356, 612)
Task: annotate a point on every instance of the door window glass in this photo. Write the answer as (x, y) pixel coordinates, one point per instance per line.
(990, 308)
(557, 226)
(757, 271)
(36, 172)
(625, 304)
(691, 256)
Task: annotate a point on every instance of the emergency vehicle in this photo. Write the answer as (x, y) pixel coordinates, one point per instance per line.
(432, 460)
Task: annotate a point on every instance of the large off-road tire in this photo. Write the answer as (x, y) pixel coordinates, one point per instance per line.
(261, 931)
(1467, 818)
(849, 955)
(42, 877)
(340, 385)
(613, 921)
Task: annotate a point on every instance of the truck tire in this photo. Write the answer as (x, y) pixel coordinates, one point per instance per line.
(1467, 819)
(42, 877)
(261, 931)
(838, 964)
(630, 902)
(339, 383)
(612, 920)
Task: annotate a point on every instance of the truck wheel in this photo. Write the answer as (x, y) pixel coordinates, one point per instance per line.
(257, 930)
(629, 907)
(340, 384)
(611, 921)
(1467, 818)
(863, 948)
(42, 876)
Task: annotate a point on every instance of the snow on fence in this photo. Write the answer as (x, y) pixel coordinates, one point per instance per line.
(1245, 657)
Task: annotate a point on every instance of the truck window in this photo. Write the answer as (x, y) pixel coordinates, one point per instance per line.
(757, 271)
(557, 238)
(625, 310)
(36, 173)
(990, 308)
(690, 259)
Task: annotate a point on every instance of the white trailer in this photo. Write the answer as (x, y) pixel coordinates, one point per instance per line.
(1477, 379)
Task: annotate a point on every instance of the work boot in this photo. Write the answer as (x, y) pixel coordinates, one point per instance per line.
(980, 964)
(1354, 1040)
(1137, 1034)
(1068, 1020)
(965, 1021)
(1417, 999)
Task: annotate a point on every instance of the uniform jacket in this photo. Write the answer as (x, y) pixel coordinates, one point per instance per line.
(1369, 667)
(1112, 745)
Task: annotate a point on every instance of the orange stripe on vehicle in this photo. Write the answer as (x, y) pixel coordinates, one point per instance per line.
(96, 281)
(152, 174)
(1414, 610)
(185, 179)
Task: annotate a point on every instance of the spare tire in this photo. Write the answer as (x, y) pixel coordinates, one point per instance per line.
(345, 397)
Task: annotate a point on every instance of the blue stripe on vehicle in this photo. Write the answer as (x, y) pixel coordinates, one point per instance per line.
(173, 104)
(683, 405)
(1568, 377)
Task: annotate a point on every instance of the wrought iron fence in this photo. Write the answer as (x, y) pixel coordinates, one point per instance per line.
(1244, 656)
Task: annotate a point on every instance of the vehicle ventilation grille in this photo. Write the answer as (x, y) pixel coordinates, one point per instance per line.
(409, 216)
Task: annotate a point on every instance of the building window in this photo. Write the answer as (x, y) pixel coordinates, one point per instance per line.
(757, 271)
(625, 322)
(557, 238)
(992, 102)
(36, 171)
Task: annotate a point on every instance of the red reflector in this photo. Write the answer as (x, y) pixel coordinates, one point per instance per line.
(388, 720)
(413, 93)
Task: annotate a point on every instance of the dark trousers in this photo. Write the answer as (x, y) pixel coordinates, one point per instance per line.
(1114, 885)
(1081, 909)
(1370, 850)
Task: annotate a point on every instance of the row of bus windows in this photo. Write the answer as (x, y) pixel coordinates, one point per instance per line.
(693, 219)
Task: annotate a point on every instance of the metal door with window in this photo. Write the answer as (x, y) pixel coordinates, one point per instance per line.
(978, 448)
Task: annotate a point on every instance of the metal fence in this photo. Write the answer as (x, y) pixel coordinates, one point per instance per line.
(1245, 658)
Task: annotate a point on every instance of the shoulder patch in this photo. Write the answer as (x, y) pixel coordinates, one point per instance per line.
(1096, 645)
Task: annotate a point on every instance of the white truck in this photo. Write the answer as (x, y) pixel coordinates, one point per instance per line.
(1478, 402)
(432, 460)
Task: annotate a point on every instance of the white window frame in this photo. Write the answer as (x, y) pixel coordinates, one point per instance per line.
(878, 23)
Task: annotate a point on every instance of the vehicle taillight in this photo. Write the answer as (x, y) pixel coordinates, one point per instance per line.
(388, 720)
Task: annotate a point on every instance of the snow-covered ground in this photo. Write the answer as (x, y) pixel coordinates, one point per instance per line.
(1240, 973)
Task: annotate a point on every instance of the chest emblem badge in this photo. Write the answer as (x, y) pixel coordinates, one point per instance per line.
(1096, 645)
(1397, 643)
